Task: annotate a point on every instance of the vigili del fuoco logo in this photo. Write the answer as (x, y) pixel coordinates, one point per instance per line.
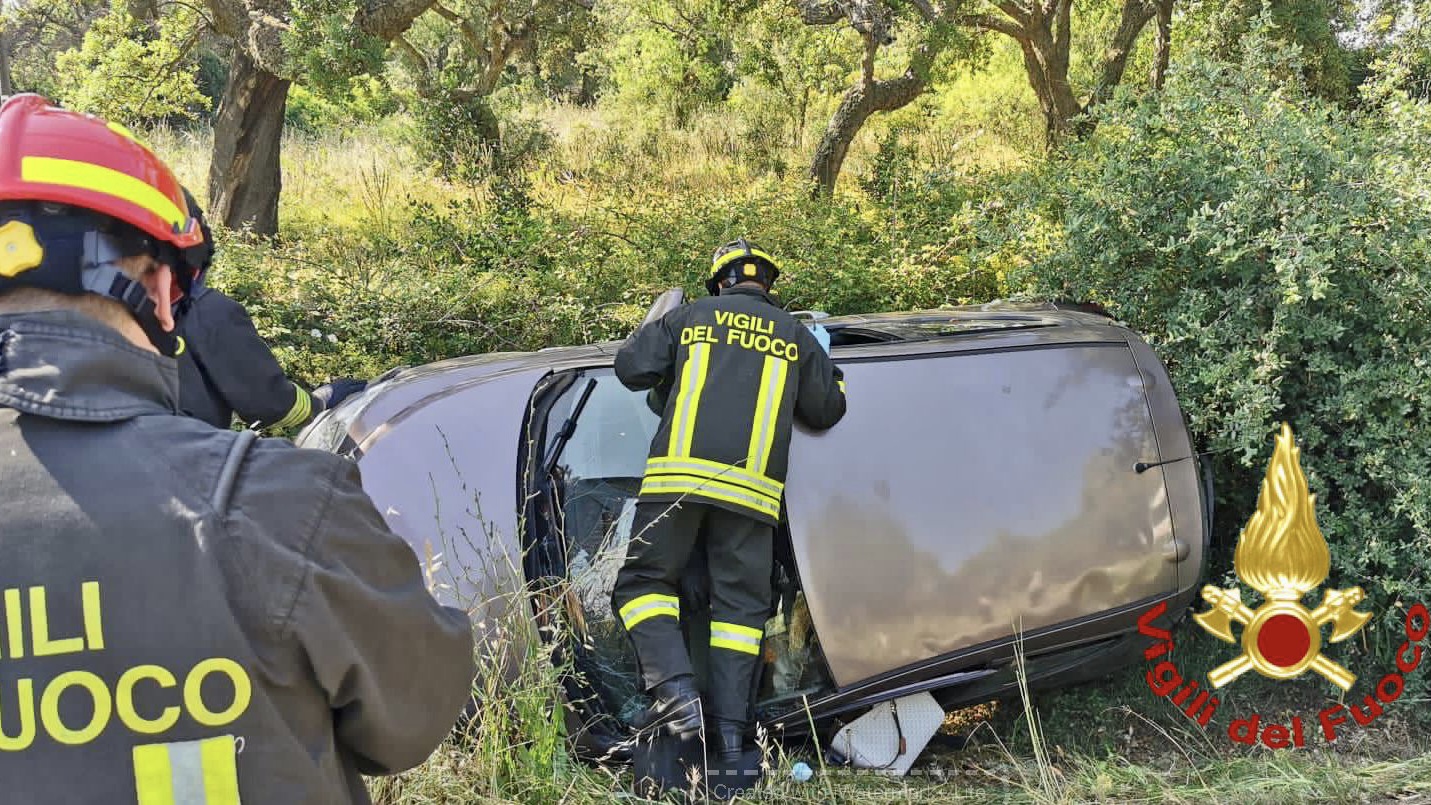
(1282, 555)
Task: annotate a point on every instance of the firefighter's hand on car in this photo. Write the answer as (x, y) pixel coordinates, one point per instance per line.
(339, 389)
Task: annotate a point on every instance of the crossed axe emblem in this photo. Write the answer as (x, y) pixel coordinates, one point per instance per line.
(1274, 627)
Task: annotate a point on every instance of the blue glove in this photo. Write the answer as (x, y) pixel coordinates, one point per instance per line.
(338, 389)
(822, 335)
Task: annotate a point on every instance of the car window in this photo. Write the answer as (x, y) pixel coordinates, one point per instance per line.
(599, 476)
(613, 433)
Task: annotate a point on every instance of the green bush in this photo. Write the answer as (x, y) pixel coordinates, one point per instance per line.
(445, 279)
(1277, 252)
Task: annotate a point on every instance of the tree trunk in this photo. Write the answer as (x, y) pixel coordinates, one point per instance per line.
(1164, 42)
(1133, 20)
(245, 176)
(586, 95)
(7, 84)
(1048, 76)
(859, 103)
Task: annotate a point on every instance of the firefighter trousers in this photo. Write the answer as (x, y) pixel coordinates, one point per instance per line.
(739, 556)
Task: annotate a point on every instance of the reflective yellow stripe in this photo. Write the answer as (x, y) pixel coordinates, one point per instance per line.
(735, 637)
(688, 400)
(767, 411)
(715, 490)
(220, 764)
(649, 606)
(153, 778)
(734, 645)
(666, 480)
(736, 630)
(180, 346)
(738, 254)
(841, 384)
(729, 473)
(187, 773)
(302, 407)
(99, 179)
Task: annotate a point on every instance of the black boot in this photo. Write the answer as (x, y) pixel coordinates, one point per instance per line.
(676, 706)
(731, 736)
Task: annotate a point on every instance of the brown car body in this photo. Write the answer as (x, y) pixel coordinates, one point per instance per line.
(1005, 473)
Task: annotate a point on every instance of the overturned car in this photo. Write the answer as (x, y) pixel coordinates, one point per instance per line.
(1006, 477)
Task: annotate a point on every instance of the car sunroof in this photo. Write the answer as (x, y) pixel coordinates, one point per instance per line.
(896, 330)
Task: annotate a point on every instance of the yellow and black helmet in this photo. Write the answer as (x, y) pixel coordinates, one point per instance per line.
(738, 261)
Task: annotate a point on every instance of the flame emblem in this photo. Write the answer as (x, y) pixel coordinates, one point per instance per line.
(1282, 555)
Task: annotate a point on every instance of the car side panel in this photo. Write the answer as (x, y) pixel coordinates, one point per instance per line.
(966, 496)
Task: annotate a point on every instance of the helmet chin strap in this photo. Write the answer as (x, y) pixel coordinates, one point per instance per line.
(100, 273)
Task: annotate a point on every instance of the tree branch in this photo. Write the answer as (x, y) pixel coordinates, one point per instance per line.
(1164, 42)
(985, 22)
(413, 55)
(469, 33)
(200, 11)
(815, 12)
(1018, 13)
(867, 65)
(386, 19)
(1062, 31)
(926, 10)
(230, 17)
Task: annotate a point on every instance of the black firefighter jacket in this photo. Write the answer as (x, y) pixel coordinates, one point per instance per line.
(730, 373)
(158, 645)
(226, 368)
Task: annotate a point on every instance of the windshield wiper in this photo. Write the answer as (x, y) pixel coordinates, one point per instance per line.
(568, 428)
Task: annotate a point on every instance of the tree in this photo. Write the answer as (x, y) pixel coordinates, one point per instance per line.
(273, 42)
(457, 56)
(875, 23)
(1044, 31)
(1042, 28)
(797, 62)
(672, 57)
(7, 83)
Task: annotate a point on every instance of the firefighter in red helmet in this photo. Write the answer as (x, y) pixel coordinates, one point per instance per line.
(192, 615)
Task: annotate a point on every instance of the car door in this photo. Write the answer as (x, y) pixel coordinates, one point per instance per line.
(968, 495)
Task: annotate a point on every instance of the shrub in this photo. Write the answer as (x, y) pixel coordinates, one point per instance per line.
(1275, 249)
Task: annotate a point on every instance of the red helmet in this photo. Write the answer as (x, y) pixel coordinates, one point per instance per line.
(51, 154)
(77, 195)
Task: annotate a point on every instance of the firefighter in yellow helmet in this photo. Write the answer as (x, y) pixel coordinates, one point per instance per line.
(730, 374)
(189, 615)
